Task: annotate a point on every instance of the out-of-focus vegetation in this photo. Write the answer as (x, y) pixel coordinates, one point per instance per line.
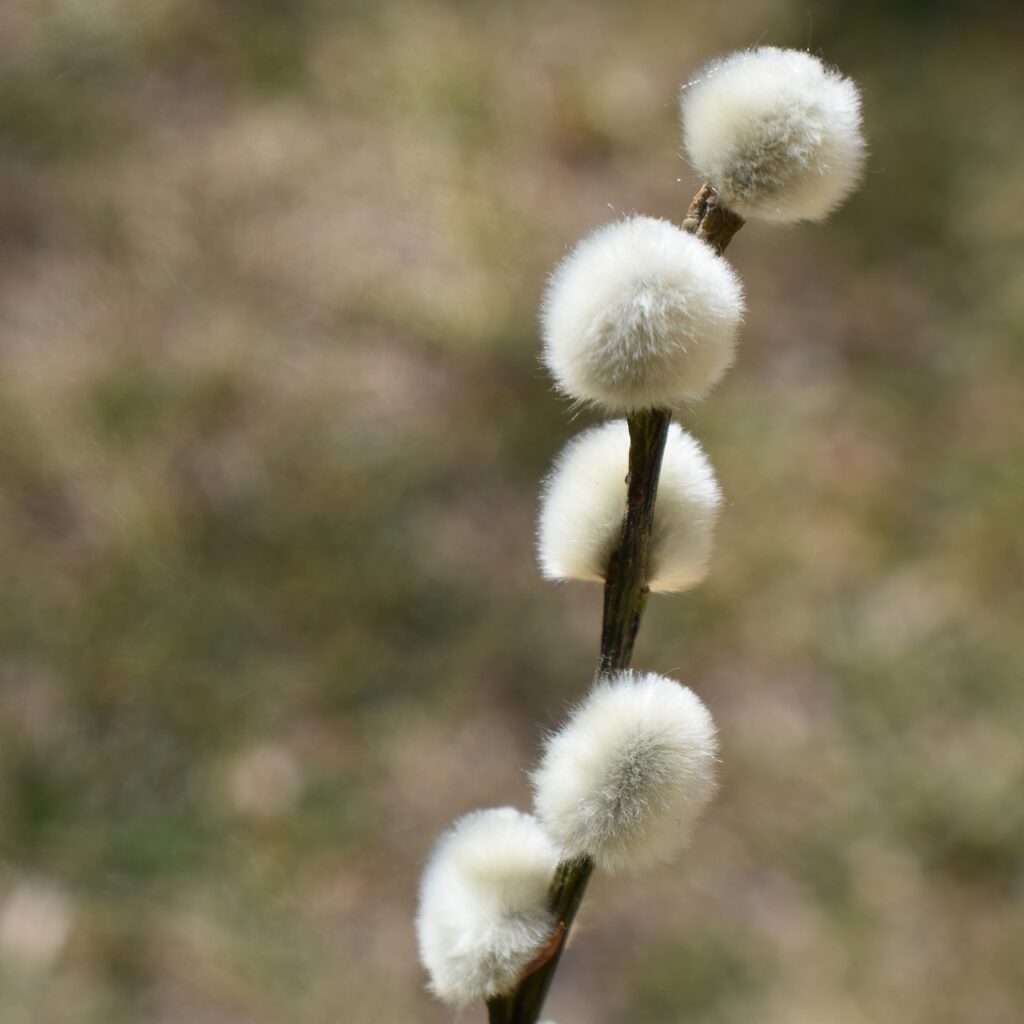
(271, 427)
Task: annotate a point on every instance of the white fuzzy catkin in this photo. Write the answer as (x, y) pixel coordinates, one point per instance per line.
(640, 314)
(776, 132)
(483, 913)
(584, 498)
(624, 781)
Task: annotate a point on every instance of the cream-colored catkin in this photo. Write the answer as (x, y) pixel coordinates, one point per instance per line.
(483, 912)
(624, 781)
(776, 132)
(640, 314)
(582, 504)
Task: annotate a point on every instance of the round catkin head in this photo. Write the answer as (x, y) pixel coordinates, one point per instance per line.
(625, 779)
(776, 132)
(483, 913)
(584, 497)
(640, 314)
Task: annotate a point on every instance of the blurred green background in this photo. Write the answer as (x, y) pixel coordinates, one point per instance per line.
(271, 428)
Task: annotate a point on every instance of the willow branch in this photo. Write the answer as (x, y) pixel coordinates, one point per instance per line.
(499, 1010)
(625, 597)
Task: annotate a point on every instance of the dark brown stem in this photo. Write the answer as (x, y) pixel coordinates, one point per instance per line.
(710, 221)
(625, 586)
(625, 597)
(565, 896)
(499, 1010)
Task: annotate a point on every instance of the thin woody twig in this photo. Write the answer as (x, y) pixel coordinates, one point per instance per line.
(625, 597)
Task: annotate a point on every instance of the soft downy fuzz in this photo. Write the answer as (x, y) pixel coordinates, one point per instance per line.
(640, 314)
(776, 132)
(483, 913)
(626, 778)
(583, 500)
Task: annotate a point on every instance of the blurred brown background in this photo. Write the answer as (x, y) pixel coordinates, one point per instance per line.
(271, 428)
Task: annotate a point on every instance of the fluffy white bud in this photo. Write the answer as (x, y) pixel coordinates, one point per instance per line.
(483, 913)
(776, 132)
(626, 778)
(584, 499)
(640, 314)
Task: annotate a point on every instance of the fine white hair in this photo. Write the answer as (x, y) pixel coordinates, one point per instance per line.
(584, 498)
(625, 779)
(776, 132)
(483, 912)
(640, 314)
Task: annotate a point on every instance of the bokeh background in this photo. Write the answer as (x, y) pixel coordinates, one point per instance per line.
(271, 429)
